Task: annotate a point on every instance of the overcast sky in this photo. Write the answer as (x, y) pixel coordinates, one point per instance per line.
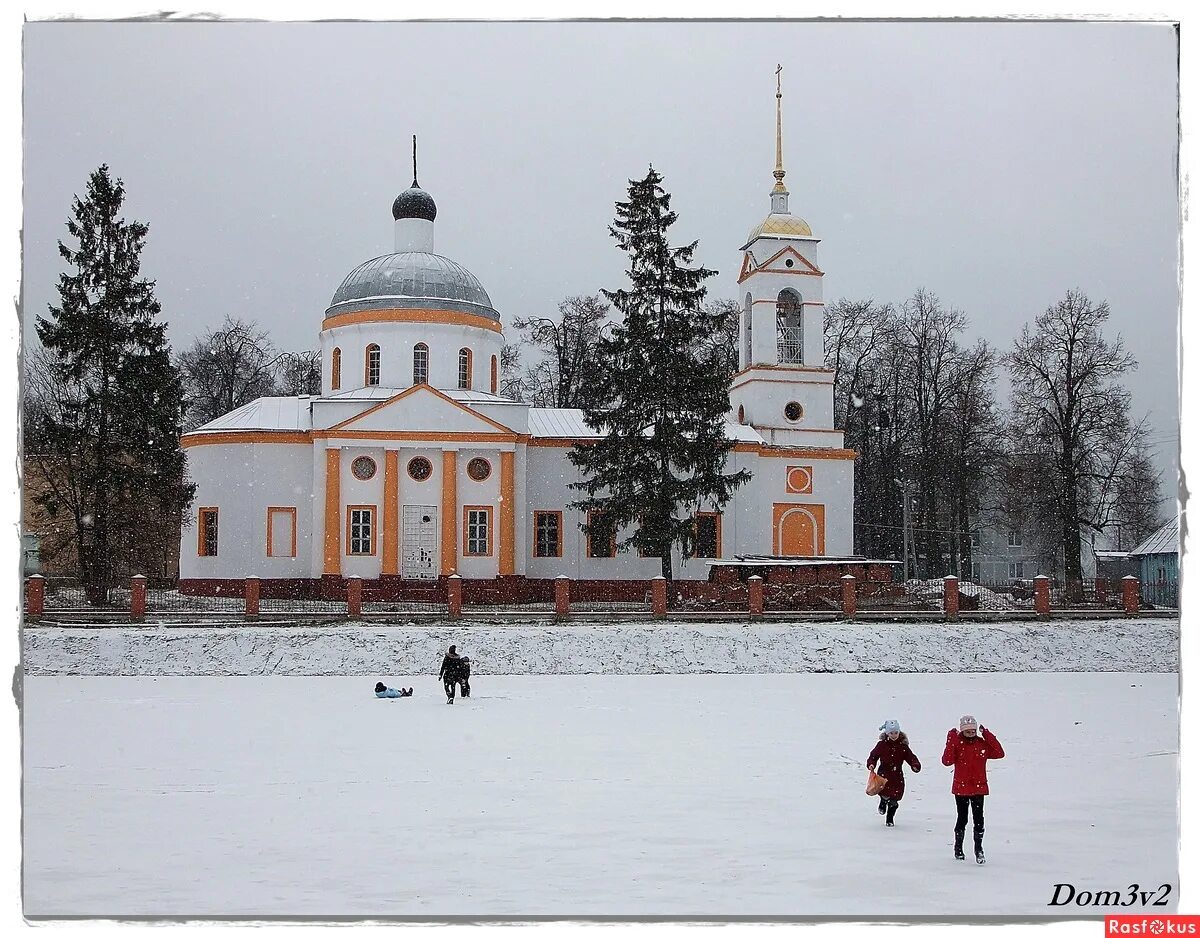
(996, 164)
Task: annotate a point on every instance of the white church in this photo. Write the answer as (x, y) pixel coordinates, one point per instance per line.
(410, 466)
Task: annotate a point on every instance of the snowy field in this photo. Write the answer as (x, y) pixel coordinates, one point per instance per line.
(1141, 645)
(719, 794)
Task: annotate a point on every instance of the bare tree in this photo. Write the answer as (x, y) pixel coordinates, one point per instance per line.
(720, 345)
(566, 344)
(226, 368)
(1070, 420)
(298, 373)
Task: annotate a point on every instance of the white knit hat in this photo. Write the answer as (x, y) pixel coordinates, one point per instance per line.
(891, 726)
(968, 722)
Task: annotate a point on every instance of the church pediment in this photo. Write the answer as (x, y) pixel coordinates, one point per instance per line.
(778, 263)
(420, 409)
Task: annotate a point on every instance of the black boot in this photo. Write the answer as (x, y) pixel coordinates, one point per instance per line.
(882, 805)
(979, 857)
(891, 812)
(958, 842)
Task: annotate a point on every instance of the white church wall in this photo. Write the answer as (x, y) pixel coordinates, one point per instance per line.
(485, 494)
(361, 493)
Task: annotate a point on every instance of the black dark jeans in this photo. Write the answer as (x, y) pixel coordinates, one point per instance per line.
(976, 803)
(449, 685)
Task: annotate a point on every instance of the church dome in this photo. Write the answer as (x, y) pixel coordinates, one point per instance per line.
(414, 202)
(781, 226)
(412, 280)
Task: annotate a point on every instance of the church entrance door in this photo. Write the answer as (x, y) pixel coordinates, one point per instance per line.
(799, 530)
(419, 534)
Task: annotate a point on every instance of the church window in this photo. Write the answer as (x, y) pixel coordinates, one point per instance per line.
(363, 468)
(1014, 539)
(602, 541)
(495, 375)
(421, 364)
(479, 469)
(789, 320)
(789, 263)
(335, 381)
(360, 530)
(208, 532)
(547, 527)
(792, 410)
(747, 333)
(477, 530)
(372, 365)
(741, 414)
(464, 368)
(419, 468)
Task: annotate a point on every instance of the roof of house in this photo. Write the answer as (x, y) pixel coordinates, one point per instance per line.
(1163, 541)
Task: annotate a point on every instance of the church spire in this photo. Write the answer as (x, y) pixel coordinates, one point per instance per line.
(779, 194)
(414, 185)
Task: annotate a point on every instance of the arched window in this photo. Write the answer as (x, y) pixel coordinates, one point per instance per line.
(495, 376)
(464, 368)
(747, 333)
(789, 323)
(335, 381)
(421, 363)
(372, 365)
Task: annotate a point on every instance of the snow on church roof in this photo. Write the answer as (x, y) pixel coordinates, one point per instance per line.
(1163, 541)
(567, 422)
(266, 413)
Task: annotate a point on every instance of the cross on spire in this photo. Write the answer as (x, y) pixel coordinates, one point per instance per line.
(415, 186)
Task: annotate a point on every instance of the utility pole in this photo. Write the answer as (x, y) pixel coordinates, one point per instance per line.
(903, 483)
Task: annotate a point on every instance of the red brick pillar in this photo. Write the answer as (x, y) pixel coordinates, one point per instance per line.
(1102, 592)
(1129, 595)
(1041, 595)
(454, 595)
(950, 597)
(658, 596)
(354, 597)
(562, 595)
(137, 599)
(252, 593)
(35, 596)
(755, 583)
(849, 596)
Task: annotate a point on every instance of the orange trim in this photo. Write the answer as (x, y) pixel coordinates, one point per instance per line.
(467, 509)
(367, 383)
(413, 390)
(214, 437)
(391, 512)
(508, 515)
(559, 539)
(350, 510)
(336, 378)
(558, 441)
(781, 510)
(813, 270)
(823, 384)
(810, 368)
(495, 376)
(444, 436)
(710, 514)
(333, 504)
(803, 484)
(802, 452)
(589, 539)
(450, 317)
(203, 530)
(449, 512)
(270, 526)
(747, 267)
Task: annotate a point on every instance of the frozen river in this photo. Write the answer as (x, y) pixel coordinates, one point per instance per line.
(718, 794)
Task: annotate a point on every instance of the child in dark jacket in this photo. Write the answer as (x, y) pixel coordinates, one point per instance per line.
(890, 754)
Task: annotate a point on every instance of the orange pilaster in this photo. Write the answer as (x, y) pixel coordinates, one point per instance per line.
(1129, 595)
(1041, 596)
(391, 512)
(755, 585)
(950, 597)
(137, 598)
(449, 512)
(508, 514)
(333, 512)
(849, 596)
(252, 592)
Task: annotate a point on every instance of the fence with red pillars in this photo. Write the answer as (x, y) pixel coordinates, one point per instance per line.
(354, 597)
(849, 596)
(1041, 595)
(950, 597)
(454, 596)
(658, 596)
(1129, 595)
(35, 596)
(137, 598)
(252, 592)
(755, 584)
(562, 595)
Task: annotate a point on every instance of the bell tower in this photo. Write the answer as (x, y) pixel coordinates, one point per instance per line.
(783, 388)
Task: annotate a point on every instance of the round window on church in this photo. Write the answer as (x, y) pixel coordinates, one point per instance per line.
(789, 263)
(363, 468)
(479, 469)
(419, 468)
(793, 411)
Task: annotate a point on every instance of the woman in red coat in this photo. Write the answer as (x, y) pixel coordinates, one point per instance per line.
(967, 749)
(890, 753)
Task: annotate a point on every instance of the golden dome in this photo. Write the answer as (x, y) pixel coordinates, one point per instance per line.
(783, 226)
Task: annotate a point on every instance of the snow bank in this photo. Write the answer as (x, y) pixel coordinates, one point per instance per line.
(1142, 645)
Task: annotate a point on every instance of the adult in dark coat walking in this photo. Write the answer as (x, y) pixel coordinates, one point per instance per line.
(967, 749)
(450, 672)
(890, 754)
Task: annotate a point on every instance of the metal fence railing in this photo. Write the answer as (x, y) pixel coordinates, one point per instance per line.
(1160, 595)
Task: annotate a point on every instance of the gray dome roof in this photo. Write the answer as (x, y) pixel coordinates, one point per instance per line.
(412, 280)
(414, 202)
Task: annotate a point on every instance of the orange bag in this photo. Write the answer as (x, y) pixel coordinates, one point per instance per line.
(875, 782)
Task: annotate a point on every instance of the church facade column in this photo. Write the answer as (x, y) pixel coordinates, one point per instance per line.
(508, 514)
(333, 512)
(449, 512)
(391, 512)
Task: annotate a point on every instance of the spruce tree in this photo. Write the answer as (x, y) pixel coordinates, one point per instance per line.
(655, 395)
(114, 436)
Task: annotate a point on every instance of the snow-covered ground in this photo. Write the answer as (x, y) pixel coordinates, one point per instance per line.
(584, 795)
(629, 648)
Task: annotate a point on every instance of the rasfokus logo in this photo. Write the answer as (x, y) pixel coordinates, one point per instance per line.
(1152, 925)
